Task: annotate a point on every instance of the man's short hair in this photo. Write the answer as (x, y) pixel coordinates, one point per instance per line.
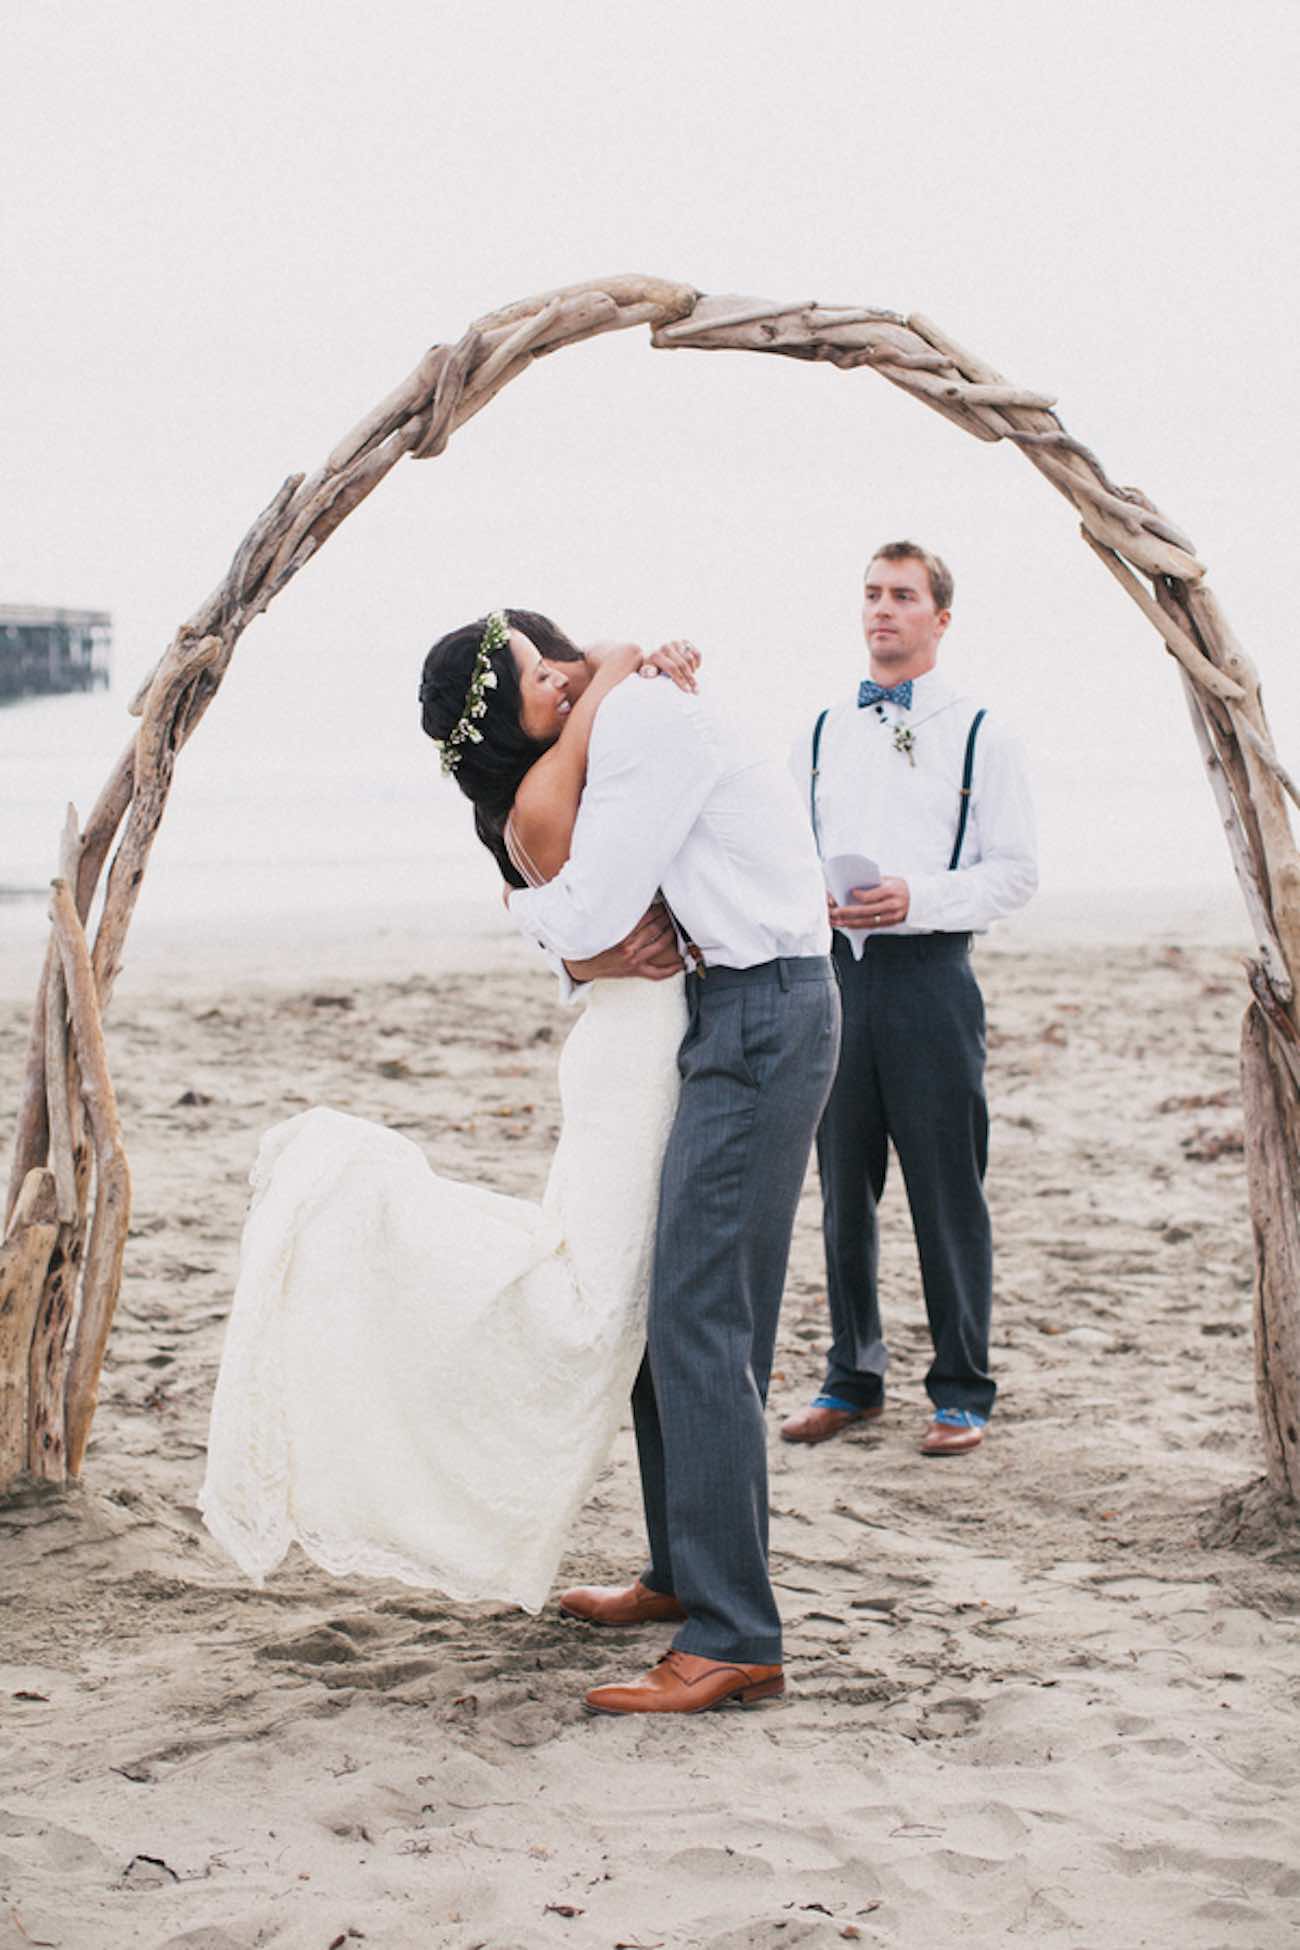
(940, 575)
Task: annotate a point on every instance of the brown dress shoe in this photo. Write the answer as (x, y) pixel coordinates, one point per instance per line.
(944, 1439)
(620, 1604)
(682, 1683)
(817, 1423)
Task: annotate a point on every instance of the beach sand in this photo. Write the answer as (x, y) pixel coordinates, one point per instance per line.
(1048, 1693)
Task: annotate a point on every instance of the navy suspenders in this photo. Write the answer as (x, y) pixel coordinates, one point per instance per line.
(967, 773)
(967, 770)
(812, 783)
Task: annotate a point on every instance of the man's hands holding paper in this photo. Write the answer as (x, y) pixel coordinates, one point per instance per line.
(881, 906)
(859, 896)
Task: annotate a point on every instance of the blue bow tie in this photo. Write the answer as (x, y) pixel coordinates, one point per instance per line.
(872, 693)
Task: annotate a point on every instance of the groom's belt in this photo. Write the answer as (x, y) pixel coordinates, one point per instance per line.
(941, 945)
(783, 970)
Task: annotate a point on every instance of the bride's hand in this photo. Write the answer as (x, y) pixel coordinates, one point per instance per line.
(679, 660)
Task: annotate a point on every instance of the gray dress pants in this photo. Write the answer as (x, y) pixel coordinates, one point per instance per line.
(756, 1064)
(911, 1070)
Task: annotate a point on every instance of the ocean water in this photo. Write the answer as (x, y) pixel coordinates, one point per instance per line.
(298, 814)
(272, 830)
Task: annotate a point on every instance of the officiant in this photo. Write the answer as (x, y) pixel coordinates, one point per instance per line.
(921, 807)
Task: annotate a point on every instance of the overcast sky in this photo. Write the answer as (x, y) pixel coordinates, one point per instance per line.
(229, 229)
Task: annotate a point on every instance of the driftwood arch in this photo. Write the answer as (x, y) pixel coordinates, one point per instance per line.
(69, 1195)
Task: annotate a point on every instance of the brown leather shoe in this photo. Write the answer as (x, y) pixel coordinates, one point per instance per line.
(620, 1604)
(683, 1683)
(949, 1439)
(817, 1423)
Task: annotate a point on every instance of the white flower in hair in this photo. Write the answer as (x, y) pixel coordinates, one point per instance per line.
(496, 635)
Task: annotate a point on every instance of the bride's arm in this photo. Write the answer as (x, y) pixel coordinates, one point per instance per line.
(546, 803)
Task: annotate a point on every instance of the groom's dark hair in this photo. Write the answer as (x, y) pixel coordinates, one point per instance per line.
(489, 770)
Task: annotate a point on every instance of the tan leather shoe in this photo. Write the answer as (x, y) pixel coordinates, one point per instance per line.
(950, 1439)
(620, 1604)
(683, 1683)
(817, 1423)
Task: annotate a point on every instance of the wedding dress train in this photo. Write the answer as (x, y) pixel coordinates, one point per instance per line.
(421, 1378)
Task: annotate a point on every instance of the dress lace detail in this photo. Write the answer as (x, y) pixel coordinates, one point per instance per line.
(421, 1378)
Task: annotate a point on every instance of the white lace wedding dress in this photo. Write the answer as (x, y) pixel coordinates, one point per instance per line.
(422, 1379)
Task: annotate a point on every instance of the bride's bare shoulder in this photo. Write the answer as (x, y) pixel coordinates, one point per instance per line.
(534, 791)
(540, 823)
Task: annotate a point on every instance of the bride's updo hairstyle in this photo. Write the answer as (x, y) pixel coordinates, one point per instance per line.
(489, 769)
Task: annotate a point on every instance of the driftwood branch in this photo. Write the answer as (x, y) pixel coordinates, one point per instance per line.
(157, 742)
(103, 1275)
(57, 1092)
(1269, 1101)
(1267, 945)
(1177, 641)
(1264, 752)
(24, 1260)
(31, 1132)
(60, 1077)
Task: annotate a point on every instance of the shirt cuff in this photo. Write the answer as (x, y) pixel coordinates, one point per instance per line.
(925, 900)
(570, 991)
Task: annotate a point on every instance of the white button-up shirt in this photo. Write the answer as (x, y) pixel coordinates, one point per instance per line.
(673, 801)
(902, 811)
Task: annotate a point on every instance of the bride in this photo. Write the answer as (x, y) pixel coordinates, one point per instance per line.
(421, 1378)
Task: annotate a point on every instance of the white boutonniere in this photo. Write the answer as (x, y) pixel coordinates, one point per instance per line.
(905, 741)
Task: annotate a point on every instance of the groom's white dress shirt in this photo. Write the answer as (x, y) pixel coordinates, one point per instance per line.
(673, 802)
(903, 812)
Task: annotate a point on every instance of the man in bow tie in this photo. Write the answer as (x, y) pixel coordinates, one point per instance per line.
(913, 775)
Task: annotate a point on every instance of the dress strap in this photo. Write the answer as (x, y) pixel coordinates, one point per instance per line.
(519, 854)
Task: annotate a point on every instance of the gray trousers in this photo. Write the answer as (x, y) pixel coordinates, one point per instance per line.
(756, 1063)
(911, 1070)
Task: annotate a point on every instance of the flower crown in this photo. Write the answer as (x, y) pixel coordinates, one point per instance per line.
(496, 635)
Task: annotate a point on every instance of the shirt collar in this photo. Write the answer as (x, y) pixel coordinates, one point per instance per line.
(929, 692)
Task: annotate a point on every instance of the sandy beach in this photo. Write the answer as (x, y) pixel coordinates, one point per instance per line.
(1048, 1693)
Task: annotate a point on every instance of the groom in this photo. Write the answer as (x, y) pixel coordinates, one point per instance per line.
(674, 802)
